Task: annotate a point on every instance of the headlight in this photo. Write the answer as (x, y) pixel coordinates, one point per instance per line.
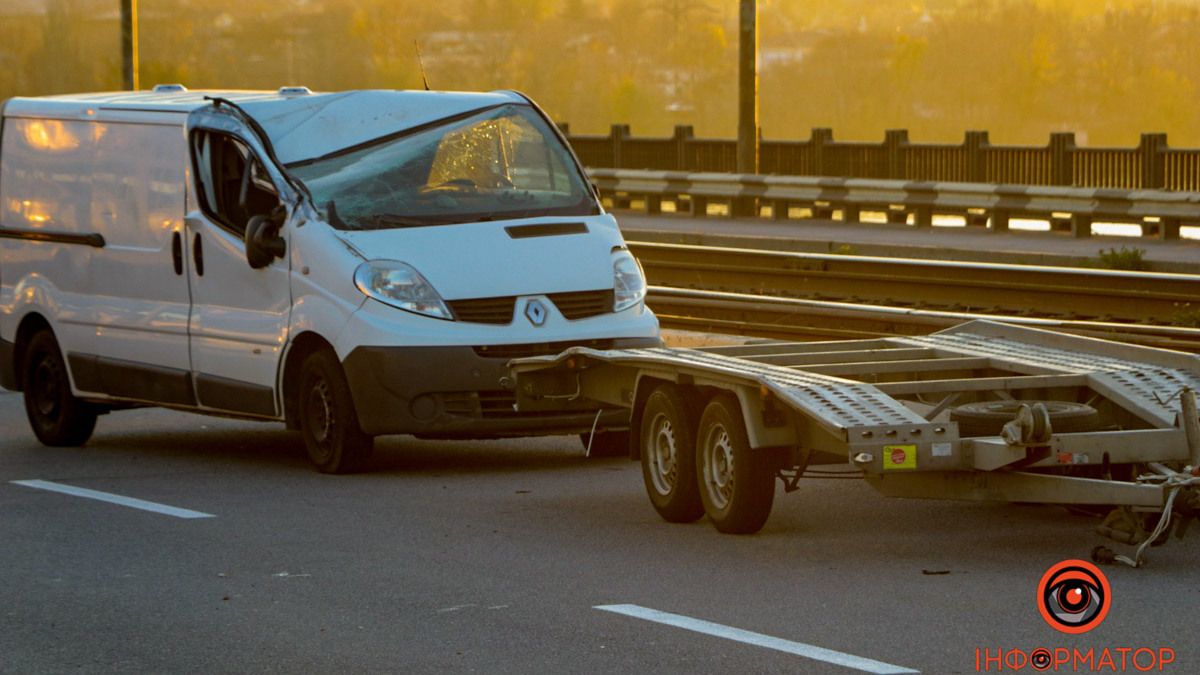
(628, 282)
(399, 285)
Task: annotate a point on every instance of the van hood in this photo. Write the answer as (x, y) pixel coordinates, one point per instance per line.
(512, 257)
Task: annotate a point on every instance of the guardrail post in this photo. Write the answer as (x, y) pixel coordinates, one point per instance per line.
(1081, 225)
(1000, 220)
(974, 145)
(821, 137)
(893, 139)
(618, 134)
(1168, 229)
(1062, 150)
(1152, 150)
(682, 136)
(894, 143)
(748, 207)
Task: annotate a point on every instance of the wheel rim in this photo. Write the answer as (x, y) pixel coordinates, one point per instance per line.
(664, 455)
(319, 417)
(717, 462)
(48, 387)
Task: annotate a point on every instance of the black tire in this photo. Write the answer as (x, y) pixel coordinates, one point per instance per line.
(606, 443)
(56, 416)
(987, 418)
(668, 444)
(328, 422)
(737, 484)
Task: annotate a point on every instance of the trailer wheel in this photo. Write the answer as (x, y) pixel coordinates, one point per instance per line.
(668, 457)
(737, 484)
(328, 422)
(55, 415)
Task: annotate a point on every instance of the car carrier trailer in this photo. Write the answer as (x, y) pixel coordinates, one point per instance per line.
(980, 411)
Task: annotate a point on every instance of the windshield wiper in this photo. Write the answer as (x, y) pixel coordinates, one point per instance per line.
(379, 221)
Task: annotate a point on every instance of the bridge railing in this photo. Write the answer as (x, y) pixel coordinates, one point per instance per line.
(1159, 213)
(1061, 162)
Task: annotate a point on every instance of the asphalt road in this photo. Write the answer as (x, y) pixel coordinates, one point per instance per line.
(492, 556)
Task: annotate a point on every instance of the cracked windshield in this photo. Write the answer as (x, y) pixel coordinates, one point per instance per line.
(497, 164)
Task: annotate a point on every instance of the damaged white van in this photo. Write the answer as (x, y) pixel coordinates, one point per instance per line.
(353, 264)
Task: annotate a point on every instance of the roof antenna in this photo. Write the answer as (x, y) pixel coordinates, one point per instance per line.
(421, 64)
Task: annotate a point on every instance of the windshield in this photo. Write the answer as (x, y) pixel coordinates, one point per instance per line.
(496, 164)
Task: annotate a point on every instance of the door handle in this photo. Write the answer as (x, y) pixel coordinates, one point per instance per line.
(177, 252)
(198, 255)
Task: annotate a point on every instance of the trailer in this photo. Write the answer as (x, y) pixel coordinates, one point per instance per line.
(980, 411)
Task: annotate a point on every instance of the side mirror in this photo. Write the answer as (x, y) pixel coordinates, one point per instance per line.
(263, 243)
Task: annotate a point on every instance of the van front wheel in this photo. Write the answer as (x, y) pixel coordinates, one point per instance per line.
(328, 422)
(56, 416)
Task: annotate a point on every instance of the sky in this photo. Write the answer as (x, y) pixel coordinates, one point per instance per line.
(1106, 70)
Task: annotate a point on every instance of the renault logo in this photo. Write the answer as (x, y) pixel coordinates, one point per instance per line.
(536, 312)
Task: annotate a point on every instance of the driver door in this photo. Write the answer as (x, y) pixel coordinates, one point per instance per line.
(239, 315)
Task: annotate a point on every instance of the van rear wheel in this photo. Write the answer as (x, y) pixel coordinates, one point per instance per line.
(57, 417)
(328, 422)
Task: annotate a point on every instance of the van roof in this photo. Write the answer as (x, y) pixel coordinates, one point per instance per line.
(301, 125)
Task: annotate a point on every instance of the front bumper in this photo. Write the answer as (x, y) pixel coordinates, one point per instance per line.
(463, 391)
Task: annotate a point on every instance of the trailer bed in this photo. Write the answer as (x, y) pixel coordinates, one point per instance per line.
(978, 411)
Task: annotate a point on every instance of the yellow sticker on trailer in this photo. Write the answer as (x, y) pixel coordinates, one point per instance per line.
(899, 457)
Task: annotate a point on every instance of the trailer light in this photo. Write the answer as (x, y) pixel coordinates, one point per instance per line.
(890, 432)
(868, 434)
(864, 458)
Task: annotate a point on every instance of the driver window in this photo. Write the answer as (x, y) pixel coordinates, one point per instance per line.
(234, 186)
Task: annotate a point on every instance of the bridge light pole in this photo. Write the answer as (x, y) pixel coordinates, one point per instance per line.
(747, 145)
(747, 142)
(129, 45)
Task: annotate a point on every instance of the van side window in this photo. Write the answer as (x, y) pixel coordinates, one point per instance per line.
(234, 186)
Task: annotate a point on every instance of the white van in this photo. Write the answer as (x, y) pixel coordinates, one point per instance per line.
(354, 264)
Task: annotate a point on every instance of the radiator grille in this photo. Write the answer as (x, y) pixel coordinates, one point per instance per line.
(582, 304)
(499, 311)
(484, 310)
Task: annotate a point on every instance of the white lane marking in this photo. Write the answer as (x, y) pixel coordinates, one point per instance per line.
(757, 639)
(113, 499)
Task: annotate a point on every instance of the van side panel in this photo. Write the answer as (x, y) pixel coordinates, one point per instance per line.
(118, 306)
(45, 191)
(140, 303)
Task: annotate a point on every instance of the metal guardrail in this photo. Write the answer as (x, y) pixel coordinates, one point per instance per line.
(1160, 213)
(799, 319)
(1150, 165)
(1118, 297)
